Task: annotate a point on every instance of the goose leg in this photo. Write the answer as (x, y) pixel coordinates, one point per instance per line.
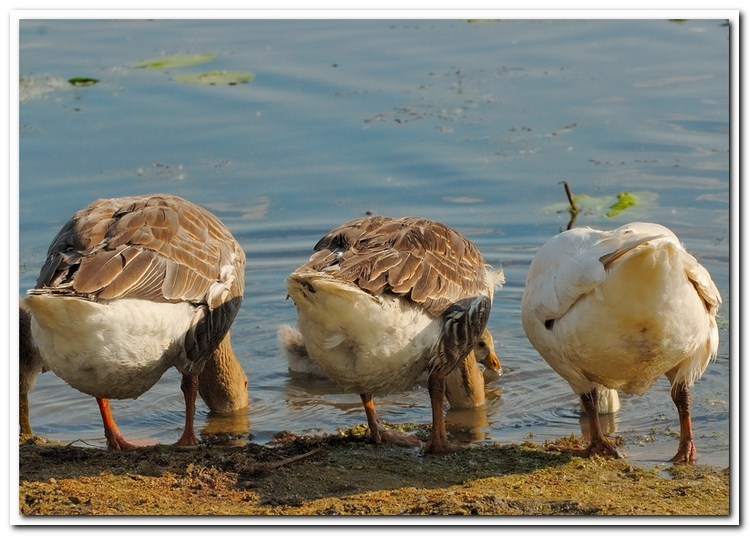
(23, 414)
(438, 442)
(372, 417)
(378, 433)
(189, 387)
(598, 444)
(115, 441)
(686, 452)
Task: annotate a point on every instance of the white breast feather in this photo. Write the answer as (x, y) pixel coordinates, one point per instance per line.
(115, 350)
(364, 342)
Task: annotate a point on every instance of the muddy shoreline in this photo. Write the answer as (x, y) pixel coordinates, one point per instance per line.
(346, 475)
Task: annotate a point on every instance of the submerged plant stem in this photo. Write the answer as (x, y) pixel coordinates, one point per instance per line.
(574, 210)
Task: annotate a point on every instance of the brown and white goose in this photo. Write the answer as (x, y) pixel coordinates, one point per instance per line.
(464, 386)
(381, 300)
(30, 365)
(131, 287)
(616, 310)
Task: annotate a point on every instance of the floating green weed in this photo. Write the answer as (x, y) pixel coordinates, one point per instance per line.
(173, 62)
(82, 82)
(625, 200)
(216, 78)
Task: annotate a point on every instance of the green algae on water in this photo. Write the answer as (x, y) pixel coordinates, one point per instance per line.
(173, 62)
(216, 78)
(625, 200)
(82, 82)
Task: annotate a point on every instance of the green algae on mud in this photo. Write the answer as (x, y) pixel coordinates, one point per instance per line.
(344, 474)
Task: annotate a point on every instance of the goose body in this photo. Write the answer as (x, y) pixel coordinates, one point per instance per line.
(616, 310)
(131, 287)
(346, 321)
(464, 387)
(382, 300)
(126, 366)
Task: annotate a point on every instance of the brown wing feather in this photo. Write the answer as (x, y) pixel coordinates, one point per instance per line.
(114, 272)
(427, 261)
(129, 247)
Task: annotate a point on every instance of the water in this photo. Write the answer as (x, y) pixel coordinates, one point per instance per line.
(474, 124)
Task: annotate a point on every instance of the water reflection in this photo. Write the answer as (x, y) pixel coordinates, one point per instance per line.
(469, 425)
(227, 429)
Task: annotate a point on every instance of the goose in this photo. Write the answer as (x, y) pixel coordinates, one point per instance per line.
(30, 365)
(131, 287)
(464, 387)
(381, 300)
(616, 310)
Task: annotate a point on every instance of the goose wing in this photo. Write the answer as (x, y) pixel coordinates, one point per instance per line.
(701, 280)
(159, 248)
(575, 262)
(422, 260)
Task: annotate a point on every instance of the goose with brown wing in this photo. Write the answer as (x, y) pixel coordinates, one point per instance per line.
(382, 300)
(131, 287)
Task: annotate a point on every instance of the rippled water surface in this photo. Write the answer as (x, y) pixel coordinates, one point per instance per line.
(474, 124)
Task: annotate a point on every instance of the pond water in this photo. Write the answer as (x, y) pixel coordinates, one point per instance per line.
(472, 123)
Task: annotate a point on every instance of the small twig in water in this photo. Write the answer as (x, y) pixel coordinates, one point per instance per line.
(573, 206)
(574, 210)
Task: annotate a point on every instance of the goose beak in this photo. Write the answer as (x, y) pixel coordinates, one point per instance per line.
(491, 362)
(492, 368)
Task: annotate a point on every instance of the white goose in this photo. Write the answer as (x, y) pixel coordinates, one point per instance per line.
(617, 309)
(464, 386)
(382, 300)
(131, 287)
